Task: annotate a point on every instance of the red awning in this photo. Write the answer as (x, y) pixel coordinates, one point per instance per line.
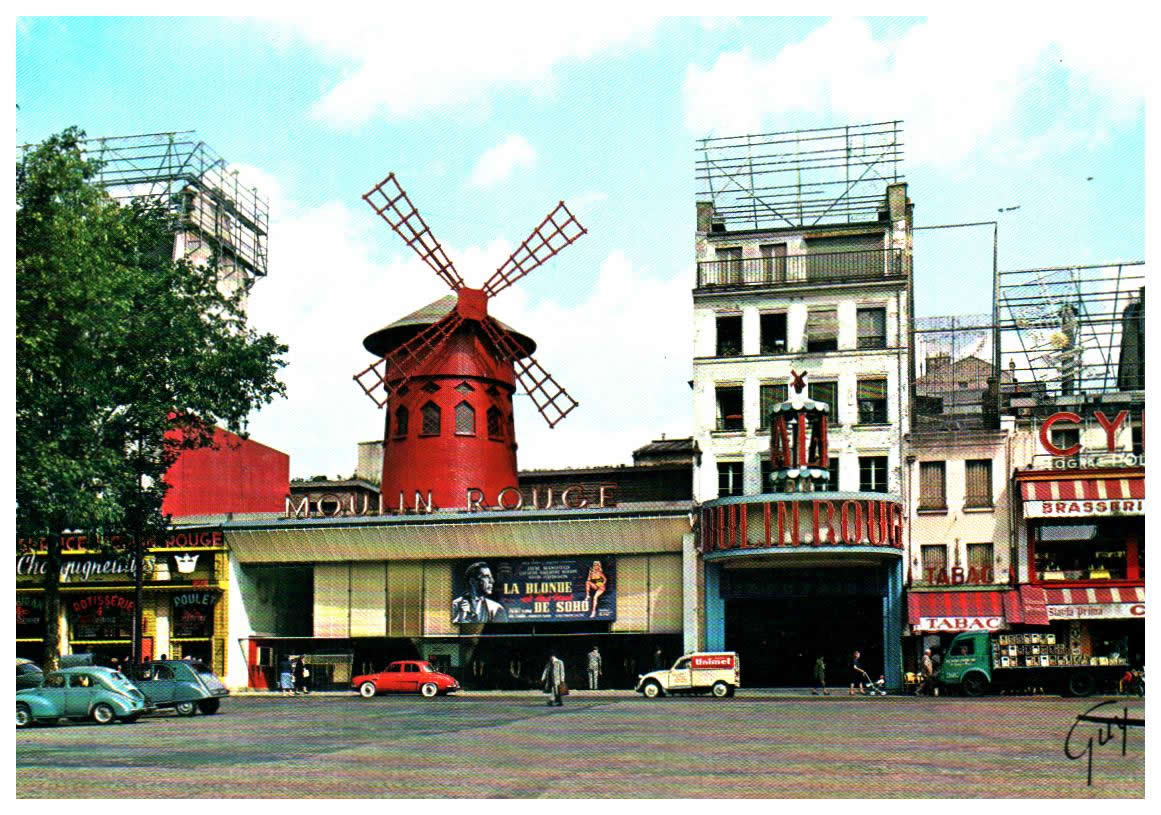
(1110, 594)
(957, 610)
(1083, 489)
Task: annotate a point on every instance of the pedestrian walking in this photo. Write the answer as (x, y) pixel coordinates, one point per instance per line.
(301, 674)
(926, 674)
(286, 677)
(859, 677)
(594, 668)
(553, 679)
(658, 660)
(820, 678)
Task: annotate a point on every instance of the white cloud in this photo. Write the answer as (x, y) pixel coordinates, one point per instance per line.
(498, 162)
(404, 66)
(957, 83)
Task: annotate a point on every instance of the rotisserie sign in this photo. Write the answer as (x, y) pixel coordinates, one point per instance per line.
(517, 591)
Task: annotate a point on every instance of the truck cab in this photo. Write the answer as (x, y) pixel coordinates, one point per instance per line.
(716, 673)
(968, 659)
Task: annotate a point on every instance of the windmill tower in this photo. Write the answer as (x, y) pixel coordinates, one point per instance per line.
(447, 372)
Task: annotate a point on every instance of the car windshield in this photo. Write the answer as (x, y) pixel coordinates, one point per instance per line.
(426, 668)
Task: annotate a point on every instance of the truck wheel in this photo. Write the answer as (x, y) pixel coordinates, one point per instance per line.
(367, 690)
(23, 715)
(720, 690)
(974, 684)
(651, 690)
(1081, 684)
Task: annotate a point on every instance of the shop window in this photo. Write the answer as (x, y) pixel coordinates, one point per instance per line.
(1096, 550)
(729, 408)
(729, 478)
(495, 427)
(772, 333)
(729, 342)
(873, 473)
(431, 416)
(833, 469)
(822, 330)
(400, 422)
(773, 262)
(769, 396)
(981, 558)
(934, 557)
(465, 419)
(978, 483)
(826, 392)
(932, 485)
(872, 328)
(872, 399)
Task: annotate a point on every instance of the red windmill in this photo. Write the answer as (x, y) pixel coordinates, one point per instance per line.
(450, 364)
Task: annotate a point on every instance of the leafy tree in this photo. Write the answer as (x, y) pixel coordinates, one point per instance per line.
(124, 358)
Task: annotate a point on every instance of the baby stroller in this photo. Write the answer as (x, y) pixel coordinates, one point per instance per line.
(877, 688)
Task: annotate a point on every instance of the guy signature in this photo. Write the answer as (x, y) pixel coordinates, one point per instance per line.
(1103, 734)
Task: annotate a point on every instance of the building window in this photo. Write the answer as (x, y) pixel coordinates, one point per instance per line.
(1097, 550)
(826, 392)
(980, 557)
(766, 469)
(729, 400)
(430, 413)
(465, 419)
(1138, 440)
(833, 469)
(772, 331)
(872, 399)
(872, 325)
(730, 265)
(978, 483)
(1065, 437)
(873, 473)
(495, 429)
(729, 478)
(934, 556)
(464, 387)
(822, 330)
(400, 422)
(773, 262)
(729, 343)
(932, 485)
(769, 396)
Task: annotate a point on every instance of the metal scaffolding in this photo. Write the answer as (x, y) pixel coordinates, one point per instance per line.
(954, 387)
(800, 178)
(215, 213)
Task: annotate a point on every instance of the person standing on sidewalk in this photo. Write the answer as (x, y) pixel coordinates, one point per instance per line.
(926, 674)
(553, 679)
(594, 668)
(301, 672)
(820, 678)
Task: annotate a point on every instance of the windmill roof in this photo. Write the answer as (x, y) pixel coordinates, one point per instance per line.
(392, 336)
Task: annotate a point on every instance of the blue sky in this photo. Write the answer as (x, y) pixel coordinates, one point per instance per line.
(488, 122)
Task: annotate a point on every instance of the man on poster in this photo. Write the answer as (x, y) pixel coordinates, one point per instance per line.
(475, 606)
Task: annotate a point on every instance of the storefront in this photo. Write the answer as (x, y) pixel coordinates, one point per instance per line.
(184, 580)
(483, 595)
(935, 616)
(1085, 560)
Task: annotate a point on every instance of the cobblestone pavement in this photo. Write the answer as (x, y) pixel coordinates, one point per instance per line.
(603, 745)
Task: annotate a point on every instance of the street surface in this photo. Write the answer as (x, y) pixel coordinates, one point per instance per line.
(606, 745)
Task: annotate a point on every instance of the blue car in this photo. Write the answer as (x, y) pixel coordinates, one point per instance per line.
(90, 692)
(183, 685)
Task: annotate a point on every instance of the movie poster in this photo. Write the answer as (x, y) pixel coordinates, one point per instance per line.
(518, 591)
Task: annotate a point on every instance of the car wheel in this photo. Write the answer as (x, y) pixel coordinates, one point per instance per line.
(429, 689)
(651, 690)
(185, 708)
(1081, 684)
(23, 715)
(721, 690)
(103, 714)
(367, 690)
(974, 684)
(209, 706)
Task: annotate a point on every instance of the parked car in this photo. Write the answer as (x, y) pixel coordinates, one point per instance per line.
(183, 685)
(716, 673)
(407, 676)
(28, 674)
(100, 694)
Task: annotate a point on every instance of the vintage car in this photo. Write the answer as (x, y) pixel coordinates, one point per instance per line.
(183, 685)
(407, 676)
(100, 694)
(28, 674)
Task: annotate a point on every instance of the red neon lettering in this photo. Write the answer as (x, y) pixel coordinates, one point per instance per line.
(1111, 427)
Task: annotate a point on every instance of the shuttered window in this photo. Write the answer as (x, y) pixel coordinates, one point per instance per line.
(769, 396)
(872, 327)
(979, 556)
(931, 485)
(978, 483)
(822, 330)
(872, 399)
(934, 560)
(826, 392)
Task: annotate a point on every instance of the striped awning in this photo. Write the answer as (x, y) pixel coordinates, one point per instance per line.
(1103, 594)
(1083, 489)
(959, 610)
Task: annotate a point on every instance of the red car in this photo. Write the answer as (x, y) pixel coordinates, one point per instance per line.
(408, 676)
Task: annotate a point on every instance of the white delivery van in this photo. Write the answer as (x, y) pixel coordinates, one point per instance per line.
(719, 673)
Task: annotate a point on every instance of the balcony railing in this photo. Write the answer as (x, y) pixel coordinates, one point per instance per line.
(825, 267)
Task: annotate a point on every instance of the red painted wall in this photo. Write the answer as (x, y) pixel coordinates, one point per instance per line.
(236, 475)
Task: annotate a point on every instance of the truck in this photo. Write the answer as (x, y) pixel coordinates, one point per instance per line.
(719, 673)
(977, 662)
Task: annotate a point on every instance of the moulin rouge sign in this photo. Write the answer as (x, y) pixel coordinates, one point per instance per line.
(817, 522)
(331, 505)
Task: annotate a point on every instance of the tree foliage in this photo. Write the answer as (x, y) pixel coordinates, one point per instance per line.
(124, 356)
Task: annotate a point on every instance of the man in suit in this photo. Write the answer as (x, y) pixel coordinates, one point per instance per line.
(475, 606)
(553, 679)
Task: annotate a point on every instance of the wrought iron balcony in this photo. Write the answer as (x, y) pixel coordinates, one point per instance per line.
(817, 268)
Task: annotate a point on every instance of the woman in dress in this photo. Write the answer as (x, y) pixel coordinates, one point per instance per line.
(595, 585)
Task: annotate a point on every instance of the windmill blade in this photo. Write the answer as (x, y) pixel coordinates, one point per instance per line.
(555, 232)
(405, 360)
(553, 401)
(391, 204)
